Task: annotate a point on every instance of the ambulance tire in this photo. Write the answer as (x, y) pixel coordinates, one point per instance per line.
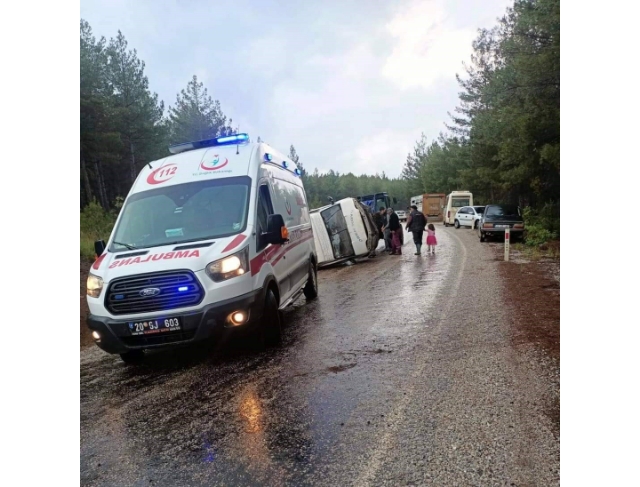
(269, 332)
(133, 357)
(311, 288)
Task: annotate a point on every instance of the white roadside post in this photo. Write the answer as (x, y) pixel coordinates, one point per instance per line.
(507, 235)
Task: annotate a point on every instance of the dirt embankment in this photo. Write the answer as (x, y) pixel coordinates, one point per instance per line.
(532, 289)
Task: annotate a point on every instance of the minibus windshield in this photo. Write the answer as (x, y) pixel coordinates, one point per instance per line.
(188, 212)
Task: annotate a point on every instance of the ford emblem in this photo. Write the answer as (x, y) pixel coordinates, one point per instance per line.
(149, 291)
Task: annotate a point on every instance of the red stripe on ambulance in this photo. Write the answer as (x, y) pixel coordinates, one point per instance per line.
(235, 242)
(96, 264)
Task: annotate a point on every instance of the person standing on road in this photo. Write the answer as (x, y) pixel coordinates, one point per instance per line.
(380, 220)
(416, 224)
(395, 228)
(431, 239)
(385, 229)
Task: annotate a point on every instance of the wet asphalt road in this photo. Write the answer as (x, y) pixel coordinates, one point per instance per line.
(400, 373)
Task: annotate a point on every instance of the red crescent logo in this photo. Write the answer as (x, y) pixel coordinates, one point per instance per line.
(215, 167)
(162, 174)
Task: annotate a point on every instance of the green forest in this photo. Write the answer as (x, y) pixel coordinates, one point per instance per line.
(502, 141)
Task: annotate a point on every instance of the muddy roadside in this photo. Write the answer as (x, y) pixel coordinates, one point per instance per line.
(532, 287)
(532, 291)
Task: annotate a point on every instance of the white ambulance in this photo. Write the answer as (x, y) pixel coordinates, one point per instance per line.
(343, 231)
(217, 236)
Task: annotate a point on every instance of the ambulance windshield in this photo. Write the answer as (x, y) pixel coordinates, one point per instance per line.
(186, 212)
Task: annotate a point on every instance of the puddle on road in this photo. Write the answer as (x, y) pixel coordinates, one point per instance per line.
(341, 368)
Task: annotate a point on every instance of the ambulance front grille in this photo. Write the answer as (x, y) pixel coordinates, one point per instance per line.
(158, 291)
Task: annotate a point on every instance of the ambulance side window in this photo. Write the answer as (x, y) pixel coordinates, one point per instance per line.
(265, 208)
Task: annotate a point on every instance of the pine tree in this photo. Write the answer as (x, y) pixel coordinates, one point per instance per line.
(196, 116)
(137, 113)
(293, 155)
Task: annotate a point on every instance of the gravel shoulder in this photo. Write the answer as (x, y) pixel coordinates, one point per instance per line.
(483, 404)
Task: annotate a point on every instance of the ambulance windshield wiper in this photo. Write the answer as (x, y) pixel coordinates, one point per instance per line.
(130, 247)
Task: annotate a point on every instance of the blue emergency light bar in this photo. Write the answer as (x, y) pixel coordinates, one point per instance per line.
(201, 144)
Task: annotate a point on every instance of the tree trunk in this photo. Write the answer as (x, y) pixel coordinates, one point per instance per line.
(85, 178)
(133, 164)
(102, 191)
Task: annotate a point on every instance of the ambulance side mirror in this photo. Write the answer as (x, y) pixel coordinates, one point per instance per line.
(99, 247)
(277, 232)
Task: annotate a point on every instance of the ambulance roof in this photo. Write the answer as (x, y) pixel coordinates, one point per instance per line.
(221, 157)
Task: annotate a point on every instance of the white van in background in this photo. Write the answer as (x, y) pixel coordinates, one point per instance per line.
(216, 236)
(343, 231)
(417, 201)
(453, 202)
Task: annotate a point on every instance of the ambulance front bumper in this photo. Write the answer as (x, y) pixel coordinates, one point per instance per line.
(116, 336)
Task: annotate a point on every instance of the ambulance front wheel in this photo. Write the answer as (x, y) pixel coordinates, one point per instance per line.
(270, 330)
(132, 357)
(311, 288)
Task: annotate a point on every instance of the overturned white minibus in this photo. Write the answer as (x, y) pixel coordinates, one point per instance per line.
(343, 231)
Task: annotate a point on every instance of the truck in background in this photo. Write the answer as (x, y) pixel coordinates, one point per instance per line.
(376, 201)
(433, 205)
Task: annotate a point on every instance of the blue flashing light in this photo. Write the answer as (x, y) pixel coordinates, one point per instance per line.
(284, 164)
(119, 296)
(200, 144)
(298, 172)
(233, 139)
(183, 288)
(267, 157)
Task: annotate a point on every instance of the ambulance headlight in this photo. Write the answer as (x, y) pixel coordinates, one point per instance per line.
(94, 286)
(231, 266)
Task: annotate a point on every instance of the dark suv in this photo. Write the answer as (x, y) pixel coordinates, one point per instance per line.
(496, 218)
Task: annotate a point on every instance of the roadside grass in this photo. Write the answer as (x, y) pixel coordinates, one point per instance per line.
(95, 223)
(548, 250)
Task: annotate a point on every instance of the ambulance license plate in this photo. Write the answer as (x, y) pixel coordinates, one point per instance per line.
(154, 327)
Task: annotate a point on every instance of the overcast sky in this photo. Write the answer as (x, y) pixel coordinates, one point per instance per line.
(350, 83)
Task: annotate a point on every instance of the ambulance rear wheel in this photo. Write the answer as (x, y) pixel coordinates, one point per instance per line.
(132, 357)
(270, 330)
(311, 288)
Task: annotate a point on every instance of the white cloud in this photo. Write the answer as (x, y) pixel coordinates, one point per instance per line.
(266, 55)
(428, 47)
(354, 97)
(380, 152)
(341, 85)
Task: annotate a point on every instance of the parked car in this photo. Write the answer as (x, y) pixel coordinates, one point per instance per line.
(402, 215)
(468, 216)
(496, 218)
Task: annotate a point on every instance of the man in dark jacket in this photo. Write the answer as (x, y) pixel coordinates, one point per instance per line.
(378, 218)
(386, 232)
(416, 223)
(396, 229)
